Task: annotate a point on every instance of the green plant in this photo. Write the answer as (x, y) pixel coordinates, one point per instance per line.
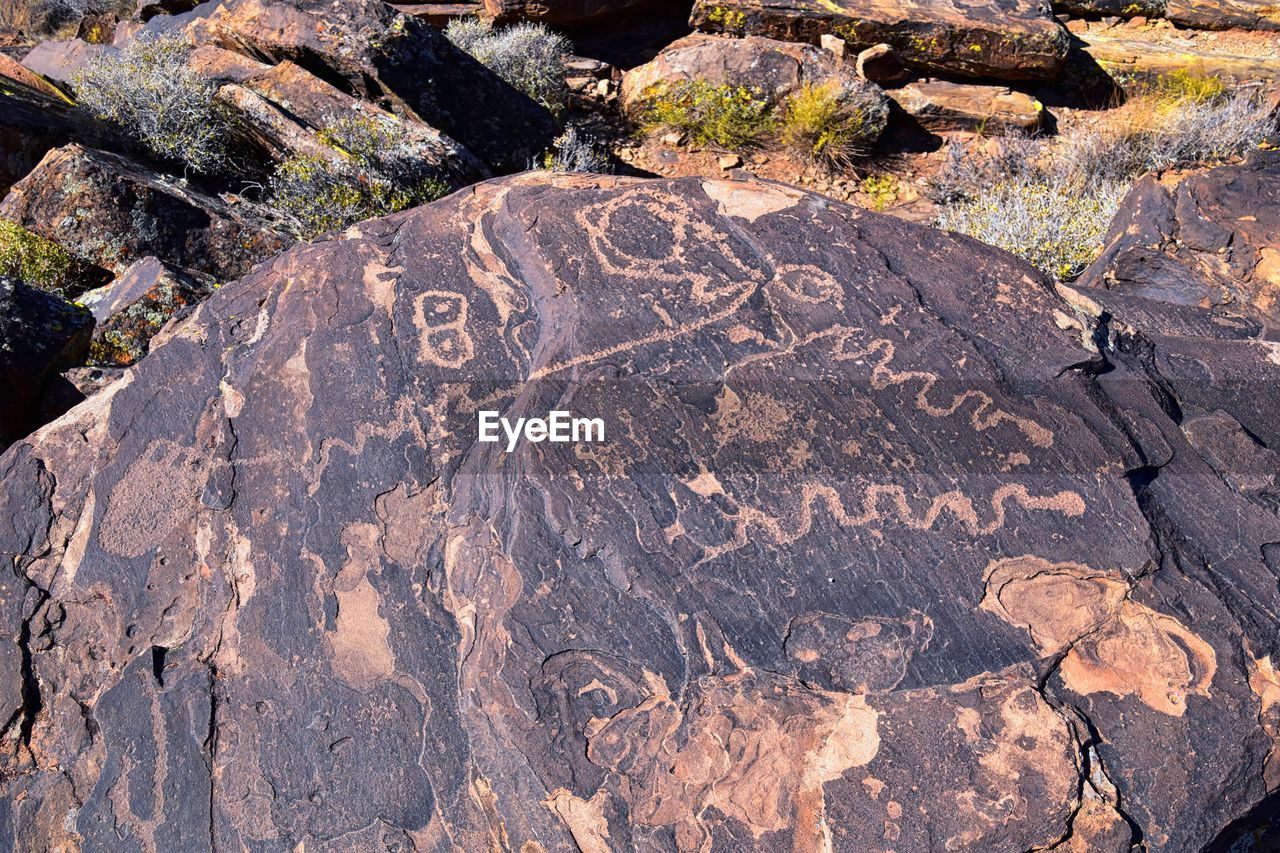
(1054, 224)
(1186, 84)
(729, 20)
(882, 190)
(722, 115)
(372, 168)
(37, 261)
(148, 90)
(529, 57)
(832, 122)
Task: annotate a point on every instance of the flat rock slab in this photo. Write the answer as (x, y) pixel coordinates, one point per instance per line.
(875, 542)
(1224, 14)
(1002, 39)
(564, 12)
(111, 211)
(1132, 58)
(940, 106)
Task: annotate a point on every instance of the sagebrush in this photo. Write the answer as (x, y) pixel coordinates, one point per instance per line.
(576, 151)
(1051, 201)
(148, 90)
(529, 57)
(373, 167)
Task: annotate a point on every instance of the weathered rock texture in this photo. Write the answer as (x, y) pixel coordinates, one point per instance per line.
(39, 334)
(111, 211)
(31, 123)
(380, 54)
(879, 552)
(940, 105)
(132, 309)
(1005, 39)
(565, 12)
(1208, 240)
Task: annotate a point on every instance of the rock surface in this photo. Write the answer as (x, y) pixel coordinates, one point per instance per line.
(132, 309)
(1127, 58)
(31, 124)
(1004, 39)
(385, 56)
(775, 68)
(1224, 14)
(939, 105)
(562, 13)
(1209, 240)
(111, 211)
(39, 334)
(878, 550)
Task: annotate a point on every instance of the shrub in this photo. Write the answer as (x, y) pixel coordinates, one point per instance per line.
(576, 152)
(530, 57)
(150, 93)
(1185, 84)
(36, 261)
(1054, 224)
(1051, 201)
(375, 168)
(721, 114)
(832, 122)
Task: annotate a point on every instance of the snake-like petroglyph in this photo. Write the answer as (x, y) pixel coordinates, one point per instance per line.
(887, 502)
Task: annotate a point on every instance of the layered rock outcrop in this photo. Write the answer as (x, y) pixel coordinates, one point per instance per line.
(887, 544)
(1003, 39)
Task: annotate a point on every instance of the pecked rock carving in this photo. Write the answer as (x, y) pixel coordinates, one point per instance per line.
(877, 555)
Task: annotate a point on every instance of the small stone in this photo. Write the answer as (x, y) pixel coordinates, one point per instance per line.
(835, 45)
(879, 64)
(1077, 25)
(673, 138)
(1138, 21)
(729, 161)
(604, 87)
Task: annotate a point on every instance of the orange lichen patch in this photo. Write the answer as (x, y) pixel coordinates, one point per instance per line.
(584, 818)
(758, 749)
(750, 201)
(361, 653)
(1116, 645)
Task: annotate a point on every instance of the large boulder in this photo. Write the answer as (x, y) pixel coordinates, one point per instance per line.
(1004, 39)
(1210, 239)
(1135, 59)
(772, 69)
(383, 55)
(878, 548)
(775, 68)
(112, 211)
(39, 334)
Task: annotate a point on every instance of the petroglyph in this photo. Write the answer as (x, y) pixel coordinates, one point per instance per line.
(441, 318)
(1116, 645)
(156, 494)
(954, 504)
(361, 653)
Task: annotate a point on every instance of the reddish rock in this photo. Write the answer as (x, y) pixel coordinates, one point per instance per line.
(60, 60)
(31, 124)
(133, 308)
(561, 13)
(1004, 39)
(385, 56)
(942, 106)
(1224, 14)
(873, 545)
(111, 211)
(1207, 240)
